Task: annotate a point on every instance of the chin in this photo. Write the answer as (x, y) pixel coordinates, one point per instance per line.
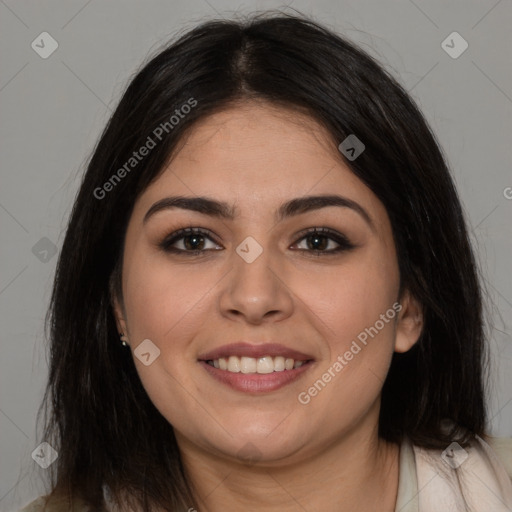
(259, 442)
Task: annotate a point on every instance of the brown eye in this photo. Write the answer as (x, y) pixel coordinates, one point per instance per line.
(189, 240)
(193, 242)
(324, 240)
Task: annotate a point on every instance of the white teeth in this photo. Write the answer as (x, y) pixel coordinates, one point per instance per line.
(262, 365)
(233, 364)
(278, 364)
(247, 364)
(265, 365)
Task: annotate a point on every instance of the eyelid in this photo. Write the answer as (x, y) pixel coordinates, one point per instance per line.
(322, 230)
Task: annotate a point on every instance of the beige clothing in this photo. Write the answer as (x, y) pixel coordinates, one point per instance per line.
(477, 479)
(481, 483)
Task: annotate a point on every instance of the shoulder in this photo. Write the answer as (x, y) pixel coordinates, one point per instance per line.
(43, 504)
(38, 505)
(477, 476)
(502, 447)
(35, 506)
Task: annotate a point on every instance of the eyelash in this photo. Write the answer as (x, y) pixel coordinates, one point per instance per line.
(341, 240)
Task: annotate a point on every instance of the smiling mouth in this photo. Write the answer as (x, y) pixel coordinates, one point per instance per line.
(260, 365)
(255, 368)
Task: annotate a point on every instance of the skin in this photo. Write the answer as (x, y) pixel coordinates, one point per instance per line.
(325, 455)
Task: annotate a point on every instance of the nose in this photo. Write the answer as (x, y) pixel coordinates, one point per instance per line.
(256, 292)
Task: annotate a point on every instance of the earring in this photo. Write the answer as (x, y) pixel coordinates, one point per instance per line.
(124, 340)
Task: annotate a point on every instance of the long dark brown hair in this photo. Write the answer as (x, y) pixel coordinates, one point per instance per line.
(96, 411)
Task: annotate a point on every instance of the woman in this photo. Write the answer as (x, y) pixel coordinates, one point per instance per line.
(266, 298)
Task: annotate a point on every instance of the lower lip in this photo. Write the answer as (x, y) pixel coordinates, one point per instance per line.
(256, 382)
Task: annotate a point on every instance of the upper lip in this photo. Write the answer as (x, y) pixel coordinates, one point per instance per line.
(244, 349)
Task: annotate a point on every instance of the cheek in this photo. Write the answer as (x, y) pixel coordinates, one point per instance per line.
(168, 306)
(163, 305)
(351, 298)
(163, 299)
(355, 304)
(356, 309)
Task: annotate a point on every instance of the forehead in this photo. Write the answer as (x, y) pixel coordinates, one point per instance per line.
(256, 146)
(253, 123)
(257, 156)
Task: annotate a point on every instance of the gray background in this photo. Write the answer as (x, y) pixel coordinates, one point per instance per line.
(53, 109)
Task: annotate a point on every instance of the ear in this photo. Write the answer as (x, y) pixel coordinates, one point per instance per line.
(119, 316)
(117, 308)
(409, 323)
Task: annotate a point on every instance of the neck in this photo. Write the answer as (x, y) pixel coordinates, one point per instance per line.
(358, 472)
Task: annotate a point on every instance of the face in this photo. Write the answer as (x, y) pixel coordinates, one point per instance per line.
(268, 330)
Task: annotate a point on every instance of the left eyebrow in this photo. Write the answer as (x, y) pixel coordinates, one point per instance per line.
(221, 209)
(309, 203)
